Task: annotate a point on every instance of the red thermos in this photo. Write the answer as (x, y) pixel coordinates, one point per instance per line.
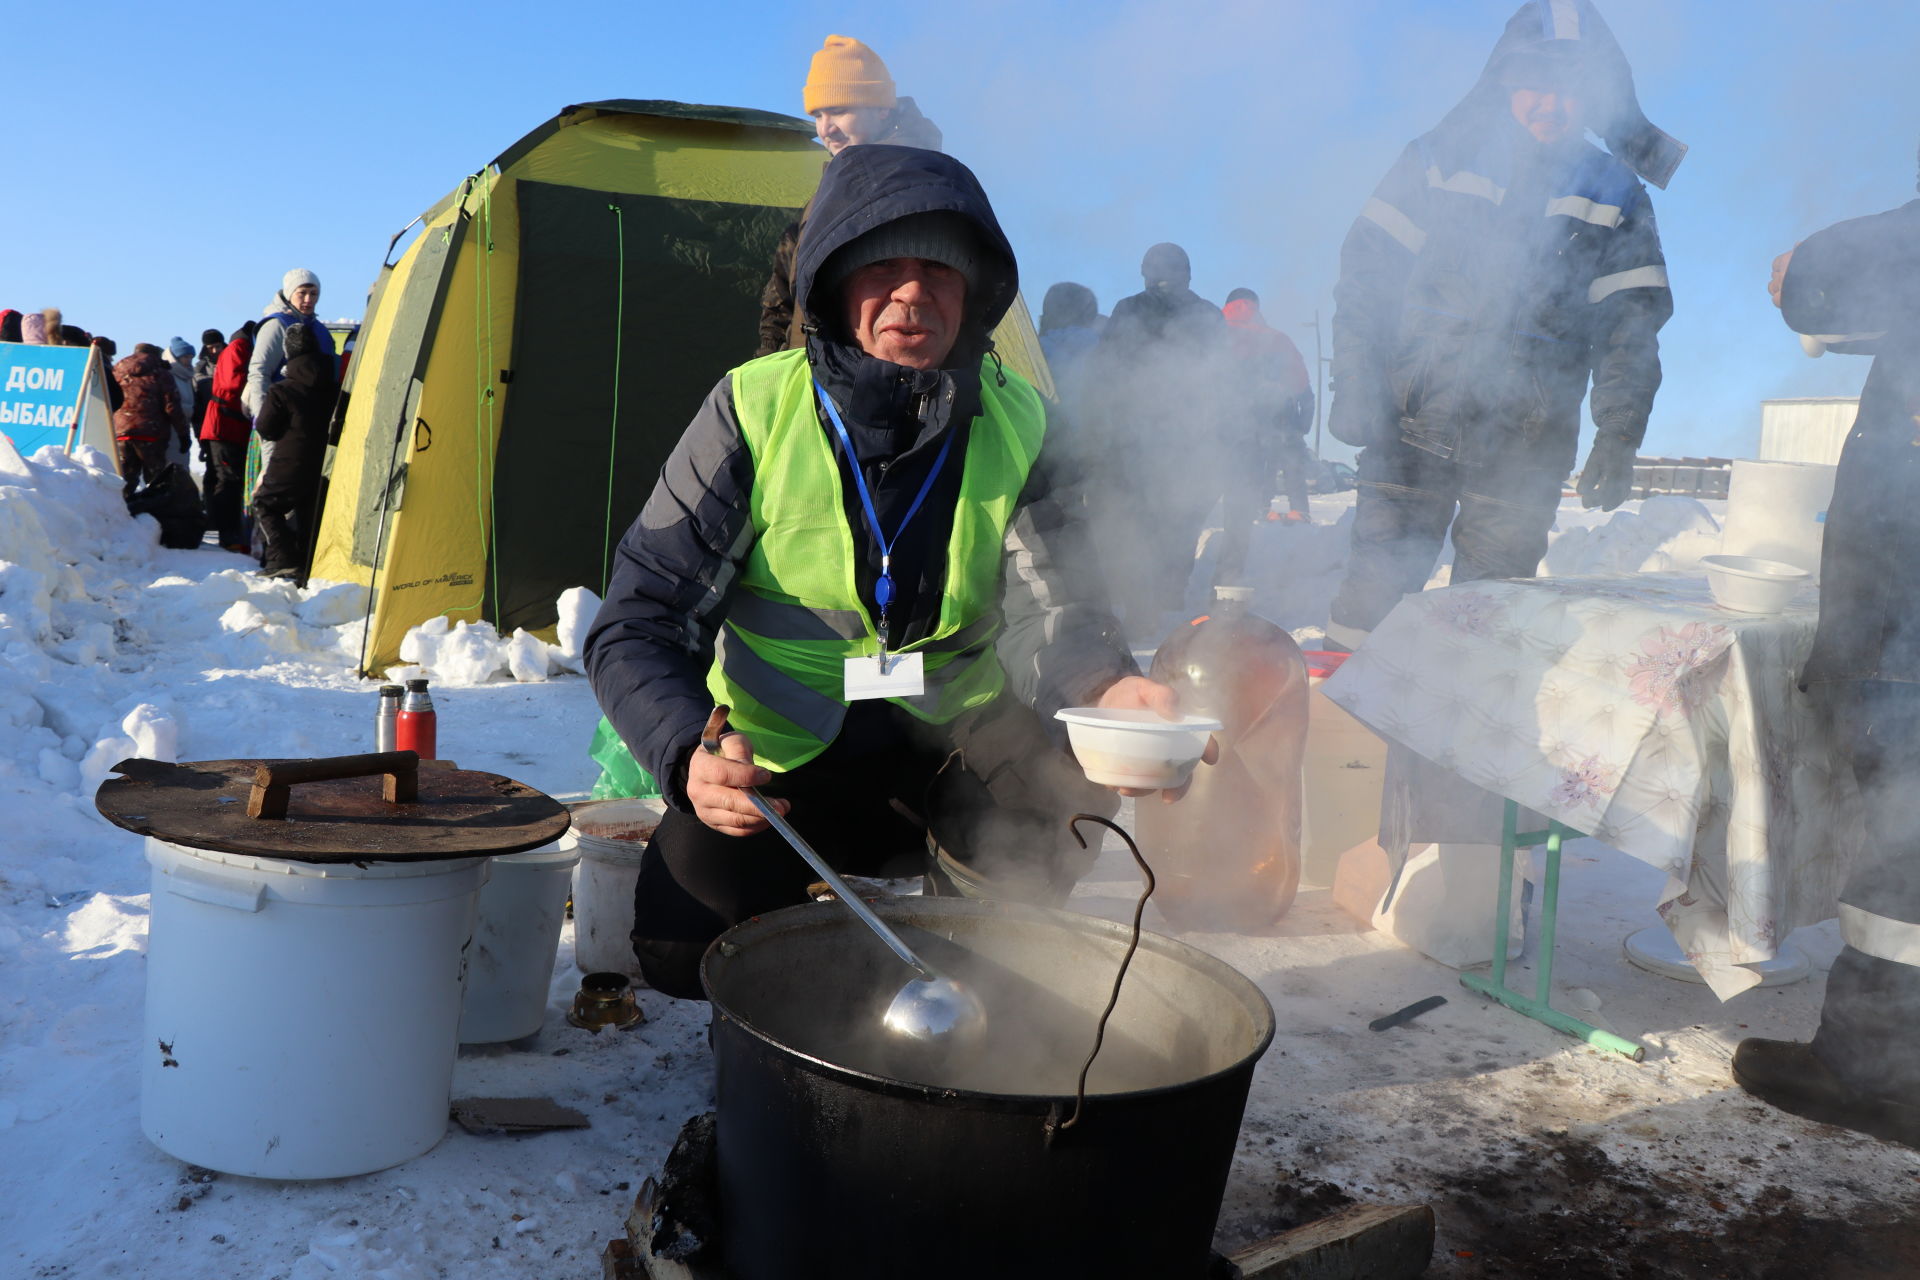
(415, 728)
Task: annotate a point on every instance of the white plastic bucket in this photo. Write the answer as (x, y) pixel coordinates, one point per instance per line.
(511, 969)
(302, 1019)
(1778, 511)
(611, 836)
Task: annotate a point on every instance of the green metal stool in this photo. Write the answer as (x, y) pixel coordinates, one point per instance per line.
(1539, 1006)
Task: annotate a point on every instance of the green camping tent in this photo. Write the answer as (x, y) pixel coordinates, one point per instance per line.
(530, 359)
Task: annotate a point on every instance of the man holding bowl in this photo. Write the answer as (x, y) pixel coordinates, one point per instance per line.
(856, 547)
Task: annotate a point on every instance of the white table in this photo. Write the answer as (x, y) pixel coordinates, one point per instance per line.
(1636, 710)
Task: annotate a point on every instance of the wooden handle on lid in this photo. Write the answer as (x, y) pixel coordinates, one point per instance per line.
(273, 780)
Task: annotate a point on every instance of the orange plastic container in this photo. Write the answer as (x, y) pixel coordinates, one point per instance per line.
(1345, 775)
(1227, 856)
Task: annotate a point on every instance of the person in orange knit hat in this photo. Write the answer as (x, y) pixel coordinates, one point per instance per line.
(851, 97)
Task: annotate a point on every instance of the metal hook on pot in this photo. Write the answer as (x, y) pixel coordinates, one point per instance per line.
(1054, 1125)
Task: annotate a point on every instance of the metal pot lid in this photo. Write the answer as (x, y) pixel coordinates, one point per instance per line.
(369, 808)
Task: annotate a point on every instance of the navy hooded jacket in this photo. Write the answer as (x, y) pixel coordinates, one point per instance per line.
(1490, 276)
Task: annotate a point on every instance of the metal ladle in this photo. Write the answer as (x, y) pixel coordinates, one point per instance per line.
(930, 1008)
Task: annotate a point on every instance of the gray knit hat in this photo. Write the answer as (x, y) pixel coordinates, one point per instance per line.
(941, 236)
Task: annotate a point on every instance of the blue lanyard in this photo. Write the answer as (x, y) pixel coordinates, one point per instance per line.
(883, 589)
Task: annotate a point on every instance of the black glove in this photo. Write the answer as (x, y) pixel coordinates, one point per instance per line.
(1607, 479)
(204, 454)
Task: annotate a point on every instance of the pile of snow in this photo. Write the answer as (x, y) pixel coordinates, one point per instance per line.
(473, 653)
(1667, 534)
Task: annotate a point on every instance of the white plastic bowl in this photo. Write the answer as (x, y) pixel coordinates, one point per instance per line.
(1136, 748)
(1747, 584)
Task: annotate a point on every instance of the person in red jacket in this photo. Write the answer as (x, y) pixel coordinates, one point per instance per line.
(224, 431)
(148, 416)
(1270, 406)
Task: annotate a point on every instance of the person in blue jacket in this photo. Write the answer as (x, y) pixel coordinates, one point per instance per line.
(1502, 264)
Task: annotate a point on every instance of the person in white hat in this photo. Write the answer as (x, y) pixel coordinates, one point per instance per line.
(294, 304)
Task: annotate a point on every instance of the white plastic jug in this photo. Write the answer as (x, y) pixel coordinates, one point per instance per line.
(1778, 511)
(302, 1018)
(511, 967)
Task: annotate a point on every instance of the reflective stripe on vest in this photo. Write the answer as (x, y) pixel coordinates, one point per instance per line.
(796, 615)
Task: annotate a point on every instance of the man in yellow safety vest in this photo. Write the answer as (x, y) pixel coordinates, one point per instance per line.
(856, 547)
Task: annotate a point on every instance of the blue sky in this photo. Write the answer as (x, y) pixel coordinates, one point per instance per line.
(168, 166)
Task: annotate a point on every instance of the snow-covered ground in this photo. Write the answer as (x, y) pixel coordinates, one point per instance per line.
(1528, 1144)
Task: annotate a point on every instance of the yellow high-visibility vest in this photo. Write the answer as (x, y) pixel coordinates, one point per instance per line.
(796, 614)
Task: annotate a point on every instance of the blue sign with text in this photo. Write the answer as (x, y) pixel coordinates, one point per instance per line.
(40, 389)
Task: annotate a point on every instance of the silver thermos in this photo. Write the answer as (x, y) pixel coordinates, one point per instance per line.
(384, 719)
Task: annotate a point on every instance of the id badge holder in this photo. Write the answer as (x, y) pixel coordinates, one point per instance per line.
(905, 676)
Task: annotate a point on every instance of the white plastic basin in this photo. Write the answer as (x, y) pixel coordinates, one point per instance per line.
(1128, 748)
(302, 1018)
(1748, 584)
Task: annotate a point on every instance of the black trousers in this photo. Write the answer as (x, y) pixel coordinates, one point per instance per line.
(282, 506)
(222, 490)
(141, 462)
(991, 788)
(1870, 1021)
(1293, 461)
(1249, 487)
(1499, 516)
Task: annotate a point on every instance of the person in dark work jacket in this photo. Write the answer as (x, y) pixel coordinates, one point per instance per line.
(751, 579)
(1501, 264)
(1857, 285)
(1164, 378)
(852, 101)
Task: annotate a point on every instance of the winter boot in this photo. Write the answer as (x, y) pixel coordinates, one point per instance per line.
(1792, 1077)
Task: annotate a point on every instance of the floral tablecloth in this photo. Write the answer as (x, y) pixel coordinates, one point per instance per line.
(1638, 711)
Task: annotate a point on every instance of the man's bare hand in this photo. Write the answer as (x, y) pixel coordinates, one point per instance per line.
(1780, 265)
(1137, 693)
(715, 787)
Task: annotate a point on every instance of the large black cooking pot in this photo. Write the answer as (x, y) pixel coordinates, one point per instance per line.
(841, 1155)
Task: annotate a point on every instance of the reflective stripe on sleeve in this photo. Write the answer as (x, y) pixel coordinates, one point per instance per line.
(1466, 184)
(1639, 278)
(1600, 215)
(1394, 223)
(1351, 637)
(1880, 936)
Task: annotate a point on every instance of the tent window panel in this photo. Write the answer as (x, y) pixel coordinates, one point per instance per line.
(692, 274)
